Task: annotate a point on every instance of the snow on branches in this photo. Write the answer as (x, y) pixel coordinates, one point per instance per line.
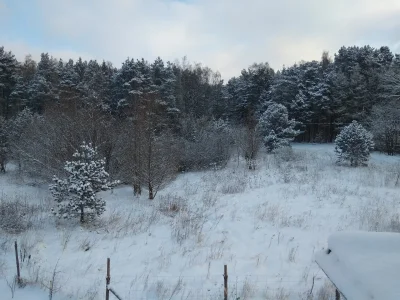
(353, 144)
(76, 195)
(276, 129)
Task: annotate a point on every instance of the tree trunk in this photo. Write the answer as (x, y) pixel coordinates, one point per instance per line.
(82, 215)
(151, 195)
(108, 159)
(137, 190)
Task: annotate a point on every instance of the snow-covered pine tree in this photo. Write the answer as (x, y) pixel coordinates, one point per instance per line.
(9, 68)
(76, 194)
(68, 79)
(354, 144)
(275, 127)
(44, 86)
(4, 146)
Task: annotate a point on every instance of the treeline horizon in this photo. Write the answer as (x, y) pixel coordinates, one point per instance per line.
(135, 112)
(321, 95)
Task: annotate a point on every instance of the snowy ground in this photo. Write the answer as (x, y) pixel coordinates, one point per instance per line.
(266, 225)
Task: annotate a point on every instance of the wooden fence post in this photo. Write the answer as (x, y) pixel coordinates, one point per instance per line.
(17, 261)
(337, 294)
(225, 282)
(108, 279)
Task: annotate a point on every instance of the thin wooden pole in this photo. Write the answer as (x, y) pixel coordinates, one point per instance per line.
(108, 279)
(337, 294)
(225, 282)
(17, 261)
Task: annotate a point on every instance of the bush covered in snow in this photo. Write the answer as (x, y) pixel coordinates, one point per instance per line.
(205, 144)
(385, 126)
(354, 144)
(76, 195)
(19, 214)
(13, 217)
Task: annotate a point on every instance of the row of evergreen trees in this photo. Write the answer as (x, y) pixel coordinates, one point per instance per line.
(183, 87)
(321, 96)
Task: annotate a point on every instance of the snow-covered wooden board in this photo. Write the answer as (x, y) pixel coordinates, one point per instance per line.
(363, 265)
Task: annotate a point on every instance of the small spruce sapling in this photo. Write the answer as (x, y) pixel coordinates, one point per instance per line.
(276, 129)
(353, 144)
(76, 195)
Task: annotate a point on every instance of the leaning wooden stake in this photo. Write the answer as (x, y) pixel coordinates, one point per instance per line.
(225, 282)
(17, 260)
(337, 295)
(108, 279)
(115, 294)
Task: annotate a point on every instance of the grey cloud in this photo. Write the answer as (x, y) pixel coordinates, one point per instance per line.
(227, 35)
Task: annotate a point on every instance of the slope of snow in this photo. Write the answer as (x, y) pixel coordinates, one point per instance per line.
(266, 225)
(26, 293)
(363, 265)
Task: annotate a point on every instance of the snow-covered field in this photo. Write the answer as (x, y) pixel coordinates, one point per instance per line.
(266, 225)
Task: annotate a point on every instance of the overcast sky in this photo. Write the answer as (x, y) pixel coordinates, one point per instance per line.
(226, 35)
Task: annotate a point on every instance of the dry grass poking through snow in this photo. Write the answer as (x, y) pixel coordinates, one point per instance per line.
(265, 224)
(19, 214)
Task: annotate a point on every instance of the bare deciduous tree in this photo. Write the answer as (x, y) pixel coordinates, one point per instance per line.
(150, 152)
(204, 143)
(41, 144)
